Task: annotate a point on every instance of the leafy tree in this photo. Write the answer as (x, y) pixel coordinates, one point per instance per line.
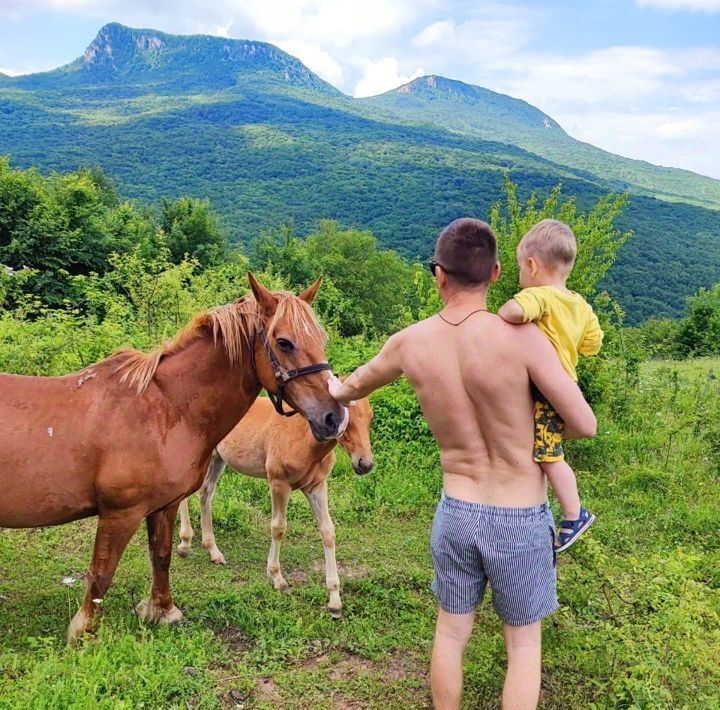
(367, 290)
(192, 230)
(658, 337)
(598, 239)
(699, 331)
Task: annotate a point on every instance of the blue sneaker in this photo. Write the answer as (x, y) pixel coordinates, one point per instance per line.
(571, 530)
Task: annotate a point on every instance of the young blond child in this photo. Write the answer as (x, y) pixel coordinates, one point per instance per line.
(546, 255)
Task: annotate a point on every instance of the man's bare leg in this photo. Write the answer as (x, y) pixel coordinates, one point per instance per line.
(452, 633)
(522, 682)
(564, 484)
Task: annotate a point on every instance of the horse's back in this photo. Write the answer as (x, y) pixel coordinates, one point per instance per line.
(262, 436)
(59, 436)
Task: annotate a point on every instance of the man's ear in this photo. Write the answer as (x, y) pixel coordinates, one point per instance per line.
(265, 299)
(496, 272)
(441, 277)
(308, 295)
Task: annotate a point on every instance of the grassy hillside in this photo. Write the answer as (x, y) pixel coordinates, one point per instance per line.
(249, 127)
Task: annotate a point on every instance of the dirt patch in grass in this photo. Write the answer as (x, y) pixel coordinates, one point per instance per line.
(233, 638)
(267, 692)
(351, 667)
(404, 677)
(234, 699)
(350, 570)
(297, 578)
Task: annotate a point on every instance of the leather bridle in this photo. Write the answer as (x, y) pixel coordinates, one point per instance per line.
(283, 376)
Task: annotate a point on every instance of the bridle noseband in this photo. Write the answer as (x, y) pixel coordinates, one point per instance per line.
(283, 376)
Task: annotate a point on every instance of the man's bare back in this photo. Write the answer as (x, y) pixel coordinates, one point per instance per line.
(473, 384)
(474, 392)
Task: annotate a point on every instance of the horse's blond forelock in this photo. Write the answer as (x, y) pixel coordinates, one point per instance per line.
(232, 325)
(299, 316)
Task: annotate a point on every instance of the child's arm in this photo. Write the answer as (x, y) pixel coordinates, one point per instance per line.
(512, 312)
(593, 338)
(527, 306)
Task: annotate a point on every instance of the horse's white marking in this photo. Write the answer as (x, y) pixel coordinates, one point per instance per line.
(51, 431)
(344, 424)
(88, 376)
(97, 601)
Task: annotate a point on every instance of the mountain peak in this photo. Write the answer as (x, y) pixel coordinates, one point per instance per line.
(183, 62)
(458, 105)
(116, 44)
(434, 83)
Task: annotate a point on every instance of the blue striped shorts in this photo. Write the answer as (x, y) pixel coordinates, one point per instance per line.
(512, 548)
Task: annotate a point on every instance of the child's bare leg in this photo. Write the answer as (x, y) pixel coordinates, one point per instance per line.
(564, 484)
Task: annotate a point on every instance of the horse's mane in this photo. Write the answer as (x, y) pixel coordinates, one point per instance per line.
(231, 324)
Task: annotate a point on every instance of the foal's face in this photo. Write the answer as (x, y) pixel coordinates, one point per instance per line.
(356, 439)
(298, 342)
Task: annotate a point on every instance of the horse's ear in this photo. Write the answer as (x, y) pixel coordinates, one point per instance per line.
(308, 295)
(267, 302)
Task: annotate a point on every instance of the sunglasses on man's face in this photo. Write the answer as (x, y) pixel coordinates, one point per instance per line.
(432, 265)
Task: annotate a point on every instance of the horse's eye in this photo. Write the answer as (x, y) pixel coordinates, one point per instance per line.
(285, 345)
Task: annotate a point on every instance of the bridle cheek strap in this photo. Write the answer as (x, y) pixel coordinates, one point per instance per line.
(283, 376)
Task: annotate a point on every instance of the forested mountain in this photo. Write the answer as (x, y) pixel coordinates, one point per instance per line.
(471, 109)
(268, 142)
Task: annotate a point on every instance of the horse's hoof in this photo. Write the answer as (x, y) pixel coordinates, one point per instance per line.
(154, 614)
(218, 559)
(80, 626)
(173, 615)
(183, 550)
(335, 613)
(281, 585)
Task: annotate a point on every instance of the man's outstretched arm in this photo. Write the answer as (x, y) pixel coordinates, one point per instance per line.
(557, 386)
(385, 367)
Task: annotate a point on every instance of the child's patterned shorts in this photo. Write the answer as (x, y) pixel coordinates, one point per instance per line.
(549, 432)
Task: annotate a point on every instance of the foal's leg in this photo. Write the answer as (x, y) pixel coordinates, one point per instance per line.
(113, 533)
(207, 493)
(186, 531)
(279, 496)
(160, 608)
(318, 499)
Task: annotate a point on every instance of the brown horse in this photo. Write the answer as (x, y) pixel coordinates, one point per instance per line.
(130, 437)
(283, 451)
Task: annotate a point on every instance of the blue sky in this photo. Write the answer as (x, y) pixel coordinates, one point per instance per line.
(638, 77)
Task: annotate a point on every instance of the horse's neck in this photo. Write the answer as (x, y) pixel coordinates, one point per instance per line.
(210, 393)
(319, 449)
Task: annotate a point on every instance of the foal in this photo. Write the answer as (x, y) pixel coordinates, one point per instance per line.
(265, 445)
(130, 437)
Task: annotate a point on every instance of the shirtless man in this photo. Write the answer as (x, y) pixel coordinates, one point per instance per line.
(471, 372)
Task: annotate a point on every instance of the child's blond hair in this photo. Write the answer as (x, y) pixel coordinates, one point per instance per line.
(551, 241)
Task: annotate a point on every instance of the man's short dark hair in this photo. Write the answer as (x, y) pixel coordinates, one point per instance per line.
(467, 251)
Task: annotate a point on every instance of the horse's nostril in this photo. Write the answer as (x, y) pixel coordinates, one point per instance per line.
(332, 421)
(364, 465)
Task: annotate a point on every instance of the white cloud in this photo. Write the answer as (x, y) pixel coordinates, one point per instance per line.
(616, 74)
(434, 33)
(659, 138)
(320, 61)
(335, 22)
(692, 5)
(21, 69)
(487, 38)
(382, 75)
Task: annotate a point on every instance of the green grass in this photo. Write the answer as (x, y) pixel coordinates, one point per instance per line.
(639, 625)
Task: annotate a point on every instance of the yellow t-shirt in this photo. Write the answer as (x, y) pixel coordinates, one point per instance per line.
(567, 319)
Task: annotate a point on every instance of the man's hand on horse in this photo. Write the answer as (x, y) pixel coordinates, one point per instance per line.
(334, 385)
